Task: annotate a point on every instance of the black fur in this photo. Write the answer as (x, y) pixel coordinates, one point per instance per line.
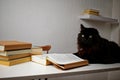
(95, 49)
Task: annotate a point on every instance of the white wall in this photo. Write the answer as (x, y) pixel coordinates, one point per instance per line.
(52, 22)
(116, 14)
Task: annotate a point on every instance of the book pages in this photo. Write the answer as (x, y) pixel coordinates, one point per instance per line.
(64, 58)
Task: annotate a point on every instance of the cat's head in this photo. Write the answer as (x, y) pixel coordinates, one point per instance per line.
(87, 36)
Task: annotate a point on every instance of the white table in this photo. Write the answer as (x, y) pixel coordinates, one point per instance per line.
(31, 70)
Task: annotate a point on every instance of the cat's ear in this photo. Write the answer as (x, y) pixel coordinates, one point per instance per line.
(82, 27)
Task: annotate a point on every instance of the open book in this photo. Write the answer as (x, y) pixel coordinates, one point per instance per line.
(63, 61)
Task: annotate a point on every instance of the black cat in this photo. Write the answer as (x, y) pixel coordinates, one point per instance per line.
(95, 49)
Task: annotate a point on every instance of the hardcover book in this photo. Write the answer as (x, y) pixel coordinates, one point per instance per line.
(67, 61)
(16, 56)
(62, 61)
(14, 62)
(14, 52)
(92, 11)
(14, 45)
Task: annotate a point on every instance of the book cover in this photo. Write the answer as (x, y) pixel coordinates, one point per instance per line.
(14, 62)
(14, 45)
(14, 52)
(16, 56)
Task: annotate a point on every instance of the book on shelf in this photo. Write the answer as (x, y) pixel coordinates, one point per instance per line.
(91, 11)
(14, 45)
(62, 60)
(15, 61)
(16, 56)
(14, 52)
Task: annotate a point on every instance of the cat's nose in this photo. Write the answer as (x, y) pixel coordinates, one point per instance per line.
(85, 39)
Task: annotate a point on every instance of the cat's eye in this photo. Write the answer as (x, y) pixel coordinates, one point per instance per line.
(90, 36)
(82, 35)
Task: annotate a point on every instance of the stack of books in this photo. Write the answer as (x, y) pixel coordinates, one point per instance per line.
(14, 52)
(91, 12)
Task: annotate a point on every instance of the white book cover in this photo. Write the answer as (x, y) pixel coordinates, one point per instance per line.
(41, 59)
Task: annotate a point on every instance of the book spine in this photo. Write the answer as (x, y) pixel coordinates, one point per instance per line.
(16, 56)
(14, 52)
(74, 65)
(21, 60)
(16, 61)
(93, 13)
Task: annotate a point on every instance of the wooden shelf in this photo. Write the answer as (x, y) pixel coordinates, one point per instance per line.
(98, 18)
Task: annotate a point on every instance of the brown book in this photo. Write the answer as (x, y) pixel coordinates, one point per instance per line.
(92, 12)
(14, 52)
(67, 60)
(14, 62)
(14, 45)
(12, 57)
